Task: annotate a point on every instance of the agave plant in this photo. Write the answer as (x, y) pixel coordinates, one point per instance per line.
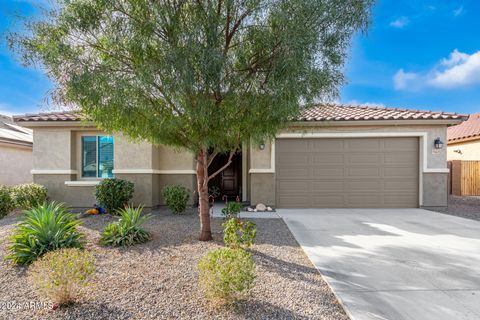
(46, 227)
(128, 230)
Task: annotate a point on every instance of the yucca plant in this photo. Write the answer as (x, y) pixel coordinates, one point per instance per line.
(44, 228)
(128, 230)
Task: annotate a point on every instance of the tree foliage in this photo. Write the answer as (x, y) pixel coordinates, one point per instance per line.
(190, 73)
(200, 75)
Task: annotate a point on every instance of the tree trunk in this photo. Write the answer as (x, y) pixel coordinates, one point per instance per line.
(202, 187)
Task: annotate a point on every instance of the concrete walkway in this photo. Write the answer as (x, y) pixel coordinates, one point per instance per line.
(394, 263)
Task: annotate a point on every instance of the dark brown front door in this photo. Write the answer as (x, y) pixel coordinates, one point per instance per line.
(229, 180)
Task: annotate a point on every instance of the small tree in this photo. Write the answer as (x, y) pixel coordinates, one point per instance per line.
(198, 75)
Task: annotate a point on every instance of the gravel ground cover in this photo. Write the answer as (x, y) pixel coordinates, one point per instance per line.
(158, 279)
(465, 207)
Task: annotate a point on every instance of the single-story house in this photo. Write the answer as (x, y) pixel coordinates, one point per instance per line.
(331, 156)
(16, 154)
(464, 140)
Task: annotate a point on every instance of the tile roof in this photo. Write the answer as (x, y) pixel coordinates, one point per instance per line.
(49, 116)
(465, 130)
(321, 112)
(336, 112)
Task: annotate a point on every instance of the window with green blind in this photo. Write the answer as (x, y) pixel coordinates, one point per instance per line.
(97, 157)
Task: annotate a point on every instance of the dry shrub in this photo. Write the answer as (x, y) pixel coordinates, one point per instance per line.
(62, 275)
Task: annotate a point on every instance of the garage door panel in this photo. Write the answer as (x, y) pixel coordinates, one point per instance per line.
(329, 200)
(400, 157)
(322, 145)
(400, 172)
(362, 145)
(399, 200)
(294, 173)
(292, 146)
(400, 185)
(328, 158)
(364, 200)
(360, 171)
(364, 158)
(400, 144)
(328, 186)
(350, 172)
(327, 172)
(301, 187)
(362, 185)
(294, 201)
(295, 160)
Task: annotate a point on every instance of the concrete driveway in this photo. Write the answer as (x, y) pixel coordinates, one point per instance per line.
(394, 263)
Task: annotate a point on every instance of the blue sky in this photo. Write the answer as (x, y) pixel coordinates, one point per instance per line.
(417, 54)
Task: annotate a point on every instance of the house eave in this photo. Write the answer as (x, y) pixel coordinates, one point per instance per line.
(375, 123)
(57, 123)
(458, 141)
(16, 144)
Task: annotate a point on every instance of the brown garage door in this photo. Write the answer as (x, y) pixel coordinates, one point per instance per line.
(347, 173)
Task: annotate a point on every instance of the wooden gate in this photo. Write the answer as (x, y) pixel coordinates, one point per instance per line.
(465, 178)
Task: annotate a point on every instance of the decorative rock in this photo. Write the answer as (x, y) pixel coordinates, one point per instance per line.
(269, 209)
(249, 209)
(261, 207)
(255, 210)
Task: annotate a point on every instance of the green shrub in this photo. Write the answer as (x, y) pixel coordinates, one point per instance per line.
(61, 275)
(226, 274)
(231, 210)
(114, 194)
(128, 230)
(29, 195)
(6, 201)
(176, 197)
(238, 233)
(44, 228)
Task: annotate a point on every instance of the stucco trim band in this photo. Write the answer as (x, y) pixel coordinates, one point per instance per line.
(48, 171)
(82, 183)
(152, 171)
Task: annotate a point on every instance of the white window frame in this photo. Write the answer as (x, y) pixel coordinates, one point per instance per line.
(80, 155)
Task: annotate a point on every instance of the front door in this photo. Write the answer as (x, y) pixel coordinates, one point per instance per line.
(228, 182)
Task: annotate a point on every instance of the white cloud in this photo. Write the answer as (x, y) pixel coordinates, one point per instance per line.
(403, 80)
(367, 103)
(457, 12)
(455, 58)
(457, 70)
(400, 22)
(460, 70)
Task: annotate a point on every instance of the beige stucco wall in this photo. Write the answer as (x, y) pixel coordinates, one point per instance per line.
(434, 185)
(468, 150)
(151, 168)
(167, 158)
(57, 150)
(53, 149)
(15, 164)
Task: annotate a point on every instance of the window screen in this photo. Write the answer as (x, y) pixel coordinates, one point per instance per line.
(105, 157)
(89, 157)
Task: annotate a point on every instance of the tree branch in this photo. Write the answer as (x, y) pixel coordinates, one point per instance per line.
(229, 161)
(212, 156)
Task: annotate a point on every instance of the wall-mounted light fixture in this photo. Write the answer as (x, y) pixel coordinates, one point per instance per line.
(438, 144)
(262, 146)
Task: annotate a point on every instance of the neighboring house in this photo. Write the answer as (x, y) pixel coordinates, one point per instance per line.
(331, 156)
(15, 153)
(464, 140)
